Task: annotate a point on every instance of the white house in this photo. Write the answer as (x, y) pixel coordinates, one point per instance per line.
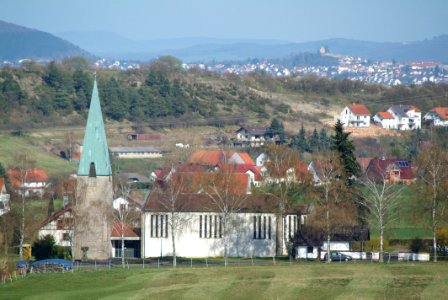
(250, 231)
(438, 116)
(385, 119)
(60, 226)
(4, 198)
(407, 117)
(355, 115)
(250, 136)
(32, 181)
(261, 159)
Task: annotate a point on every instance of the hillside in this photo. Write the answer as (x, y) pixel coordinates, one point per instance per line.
(164, 95)
(111, 45)
(17, 42)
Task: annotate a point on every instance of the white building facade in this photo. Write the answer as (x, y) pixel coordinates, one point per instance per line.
(406, 117)
(355, 115)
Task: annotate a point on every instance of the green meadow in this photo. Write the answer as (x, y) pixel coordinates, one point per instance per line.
(297, 281)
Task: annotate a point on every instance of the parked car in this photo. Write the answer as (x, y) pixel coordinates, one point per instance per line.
(337, 256)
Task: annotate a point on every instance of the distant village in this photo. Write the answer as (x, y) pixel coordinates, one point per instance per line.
(387, 73)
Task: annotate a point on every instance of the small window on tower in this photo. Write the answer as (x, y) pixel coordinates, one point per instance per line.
(92, 170)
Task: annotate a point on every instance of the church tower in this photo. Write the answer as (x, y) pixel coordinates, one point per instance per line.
(94, 191)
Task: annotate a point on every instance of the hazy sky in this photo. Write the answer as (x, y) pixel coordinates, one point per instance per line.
(291, 20)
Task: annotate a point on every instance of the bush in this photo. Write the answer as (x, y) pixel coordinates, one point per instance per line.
(416, 245)
(43, 248)
(374, 244)
(62, 252)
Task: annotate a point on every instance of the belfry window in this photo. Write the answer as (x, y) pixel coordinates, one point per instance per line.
(92, 170)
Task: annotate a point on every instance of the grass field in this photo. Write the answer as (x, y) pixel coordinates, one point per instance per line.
(303, 281)
(10, 146)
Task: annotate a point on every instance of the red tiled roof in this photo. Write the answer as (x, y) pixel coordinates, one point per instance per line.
(385, 115)
(242, 168)
(32, 175)
(378, 166)
(359, 109)
(236, 183)
(247, 159)
(414, 108)
(2, 183)
(209, 157)
(187, 202)
(129, 231)
(442, 112)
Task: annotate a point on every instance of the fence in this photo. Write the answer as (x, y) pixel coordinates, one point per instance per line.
(182, 262)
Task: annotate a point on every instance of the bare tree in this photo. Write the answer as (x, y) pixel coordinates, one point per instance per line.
(282, 176)
(329, 194)
(432, 165)
(228, 194)
(382, 201)
(126, 213)
(169, 200)
(22, 166)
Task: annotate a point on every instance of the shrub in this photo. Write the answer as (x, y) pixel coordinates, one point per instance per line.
(416, 245)
(374, 244)
(43, 248)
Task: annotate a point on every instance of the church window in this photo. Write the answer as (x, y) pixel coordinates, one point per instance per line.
(92, 170)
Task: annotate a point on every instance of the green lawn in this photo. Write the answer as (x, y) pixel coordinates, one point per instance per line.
(302, 281)
(53, 165)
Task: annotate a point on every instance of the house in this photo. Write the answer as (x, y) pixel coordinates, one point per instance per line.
(4, 198)
(355, 115)
(135, 152)
(250, 136)
(284, 172)
(251, 230)
(311, 243)
(60, 226)
(261, 160)
(212, 158)
(385, 119)
(32, 181)
(392, 170)
(438, 116)
(407, 117)
(131, 240)
(254, 172)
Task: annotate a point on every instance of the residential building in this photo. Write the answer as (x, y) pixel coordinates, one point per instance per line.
(407, 117)
(31, 182)
(355, 115)
(60, 225)
(385, 119)
(250, 136)
(4, 198)
(391, 170)
(211, 158)
(438, 116)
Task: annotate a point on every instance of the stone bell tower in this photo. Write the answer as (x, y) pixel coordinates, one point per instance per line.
(94, 190)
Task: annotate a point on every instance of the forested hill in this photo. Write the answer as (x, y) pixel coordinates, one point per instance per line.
(17, 42)
(162, 93)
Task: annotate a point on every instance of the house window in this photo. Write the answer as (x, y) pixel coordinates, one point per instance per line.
(261, 224)
(66, 236)
(159, 226)
(210, 226)
(309, 249)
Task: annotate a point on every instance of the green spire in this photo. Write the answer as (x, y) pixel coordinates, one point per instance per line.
(95, 152)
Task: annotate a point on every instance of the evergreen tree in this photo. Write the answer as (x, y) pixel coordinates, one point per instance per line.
(344, 146)
(299, 141)
(277, 129)
(314, 141)
(324, 140)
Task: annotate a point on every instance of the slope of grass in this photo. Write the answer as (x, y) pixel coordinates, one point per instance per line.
(303, 281)
(10, 146)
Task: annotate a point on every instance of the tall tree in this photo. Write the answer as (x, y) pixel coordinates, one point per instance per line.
(346, 150)
(277, 130)
(329, 195)
(282, 168)
(299, 141)
(382, 202)
(432, 163)
(324, 140)
(314, 141)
